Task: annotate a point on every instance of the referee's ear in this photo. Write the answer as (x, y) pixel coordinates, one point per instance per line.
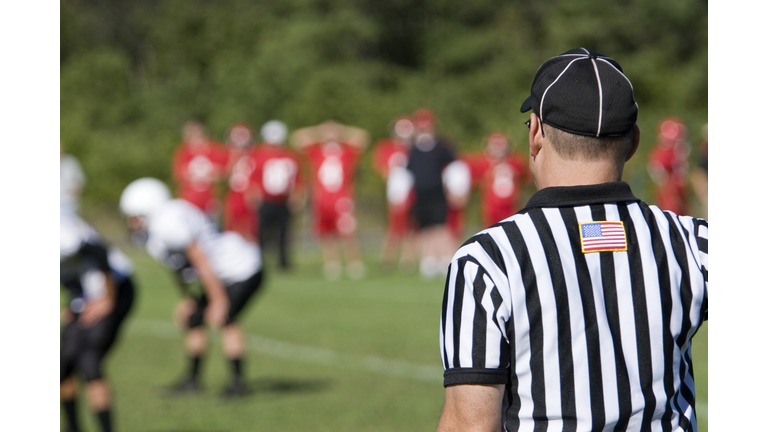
(635, 142)
(534, 136)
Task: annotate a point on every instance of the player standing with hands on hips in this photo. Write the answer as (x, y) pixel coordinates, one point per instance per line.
(577, 312)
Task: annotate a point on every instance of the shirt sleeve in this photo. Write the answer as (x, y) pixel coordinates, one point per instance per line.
(473, 341)
(702, 241)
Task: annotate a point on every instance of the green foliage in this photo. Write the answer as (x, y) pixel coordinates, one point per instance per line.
(133, 72)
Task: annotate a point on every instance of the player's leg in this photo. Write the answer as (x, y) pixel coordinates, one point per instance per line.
(263, 223)
(284, 221)
(100, 400)
(326, 232)
(233, 346)
(331, 257)
(100, 338)
(195, 345)
(392, 238)
(409, 251)
(346, 230)
(71, 346)
(353, 257)
(388, 252)
(431, 211)
(427, 238)
(233, 342)
(90, 366)
(68, 392)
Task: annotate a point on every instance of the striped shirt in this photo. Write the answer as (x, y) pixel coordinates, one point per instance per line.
(583, 340)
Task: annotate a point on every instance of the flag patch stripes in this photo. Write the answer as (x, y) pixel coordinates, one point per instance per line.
(602, 236)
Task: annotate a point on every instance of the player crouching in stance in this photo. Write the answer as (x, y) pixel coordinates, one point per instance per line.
(101, 294)
(181, 237)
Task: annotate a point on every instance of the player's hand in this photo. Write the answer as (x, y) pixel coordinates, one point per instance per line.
(67, 316)
(216, 312)
(96, 310)
(183, 311)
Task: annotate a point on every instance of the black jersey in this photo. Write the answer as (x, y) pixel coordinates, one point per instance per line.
(85, 259)
(426, 162)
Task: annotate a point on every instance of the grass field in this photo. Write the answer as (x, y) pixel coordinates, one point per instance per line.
(323, 356)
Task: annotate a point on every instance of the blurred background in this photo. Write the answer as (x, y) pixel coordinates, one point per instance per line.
(352, 355)
(132, 72)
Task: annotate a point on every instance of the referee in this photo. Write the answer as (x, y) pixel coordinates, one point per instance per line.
(576, 313)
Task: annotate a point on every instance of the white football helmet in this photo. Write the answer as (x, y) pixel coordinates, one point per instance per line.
(143, 196)
(274, 132)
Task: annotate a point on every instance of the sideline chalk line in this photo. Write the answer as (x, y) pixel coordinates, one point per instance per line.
(305, 354)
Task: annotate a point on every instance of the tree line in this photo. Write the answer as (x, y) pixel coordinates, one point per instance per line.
(132, 72)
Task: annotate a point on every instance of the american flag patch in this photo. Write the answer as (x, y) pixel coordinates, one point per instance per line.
(602, 236)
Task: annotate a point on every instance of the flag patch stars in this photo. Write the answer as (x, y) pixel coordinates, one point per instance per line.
(602, 236)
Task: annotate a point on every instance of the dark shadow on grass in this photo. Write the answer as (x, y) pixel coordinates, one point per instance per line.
(288, 385)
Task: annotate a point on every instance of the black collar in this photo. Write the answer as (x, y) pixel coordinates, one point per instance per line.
(571, 196)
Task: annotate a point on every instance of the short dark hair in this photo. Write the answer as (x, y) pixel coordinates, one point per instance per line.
(571, 146)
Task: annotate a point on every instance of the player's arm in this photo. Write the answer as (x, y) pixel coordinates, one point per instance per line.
(472, 407)
(96, 310)
(304, 137)
(218, 303)
(355, 136)
(474, 394)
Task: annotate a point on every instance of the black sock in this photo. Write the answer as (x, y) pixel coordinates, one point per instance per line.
(105, 420)
(70, 410)
(237, 368)
(194, 366)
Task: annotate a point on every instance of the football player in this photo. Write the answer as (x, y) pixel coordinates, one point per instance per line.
(180, 236)
(101, 293)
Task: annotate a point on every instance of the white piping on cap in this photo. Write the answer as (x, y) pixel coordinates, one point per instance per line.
(600, 93)
(544, 95)
(622, 74)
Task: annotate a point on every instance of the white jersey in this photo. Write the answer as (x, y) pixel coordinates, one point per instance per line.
(71, 182)
(177, 224)
(399, 185)
(457, 178)
(83, 257)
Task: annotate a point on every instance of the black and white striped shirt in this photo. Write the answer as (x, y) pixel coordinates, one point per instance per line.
(582, 341)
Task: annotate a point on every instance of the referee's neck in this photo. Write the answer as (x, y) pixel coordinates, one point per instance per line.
(557, 172)
(550, 169)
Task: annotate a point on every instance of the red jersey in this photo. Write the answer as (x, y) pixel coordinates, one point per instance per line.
(387, 154)
(238, 214)
(277, 172)
(668, 165)
(389, 159)
(196, 170)
(499, 182)
(333, 170)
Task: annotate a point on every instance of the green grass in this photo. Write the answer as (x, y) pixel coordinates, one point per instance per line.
(323, 356)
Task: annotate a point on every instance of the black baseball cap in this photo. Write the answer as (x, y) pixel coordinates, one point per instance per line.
(584, 93)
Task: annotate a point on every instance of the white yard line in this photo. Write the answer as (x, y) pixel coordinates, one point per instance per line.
(305, 354)
(324, 357)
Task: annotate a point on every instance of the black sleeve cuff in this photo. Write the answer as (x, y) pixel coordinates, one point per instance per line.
(475, 376)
